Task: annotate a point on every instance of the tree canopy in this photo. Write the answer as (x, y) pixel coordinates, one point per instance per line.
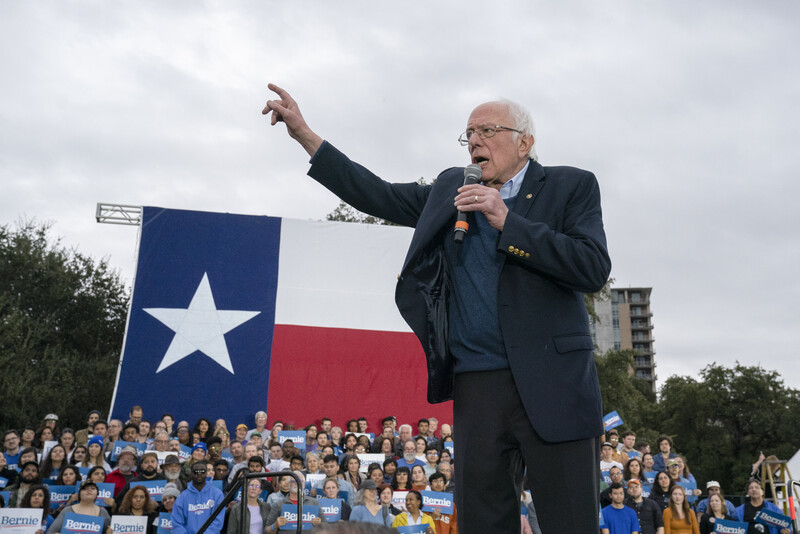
(63, 319)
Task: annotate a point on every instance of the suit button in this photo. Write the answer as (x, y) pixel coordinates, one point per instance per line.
(527, 254)
(529, 196)
(511, 248)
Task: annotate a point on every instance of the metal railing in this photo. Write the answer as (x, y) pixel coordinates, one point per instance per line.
(241, 483)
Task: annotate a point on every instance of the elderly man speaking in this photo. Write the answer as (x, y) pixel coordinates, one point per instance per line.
(500, 316)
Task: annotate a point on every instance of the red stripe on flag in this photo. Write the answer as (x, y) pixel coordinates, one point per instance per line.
(346, 374)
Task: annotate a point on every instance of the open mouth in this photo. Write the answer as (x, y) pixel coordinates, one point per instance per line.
(480, 160)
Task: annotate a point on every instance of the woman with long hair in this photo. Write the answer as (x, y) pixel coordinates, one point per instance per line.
(95, 454)
(79, 454)
(385, 494)
(67, 440)
(256, 511)
(86, 506)
(203, 428)
(661, 489)
(55, 461)
(69, 475)
(43, 434)
(418, 480)
(414, 514)
(350, 442)
(137, 502)
(634, 469)
(678, 517)
(401, 479)
(367, 508)
(330, 489)
(38, 496)
(350, 470)
(716, 510)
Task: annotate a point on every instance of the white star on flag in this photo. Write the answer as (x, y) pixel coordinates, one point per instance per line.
(201, 327)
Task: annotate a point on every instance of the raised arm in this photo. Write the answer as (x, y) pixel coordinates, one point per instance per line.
(287, 111)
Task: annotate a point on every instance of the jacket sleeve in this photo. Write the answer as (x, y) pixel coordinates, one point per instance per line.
(577, 255)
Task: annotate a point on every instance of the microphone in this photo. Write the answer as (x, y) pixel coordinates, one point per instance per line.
(472, 175)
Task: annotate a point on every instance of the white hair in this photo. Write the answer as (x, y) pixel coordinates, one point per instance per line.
(522, 122)
(405, 426)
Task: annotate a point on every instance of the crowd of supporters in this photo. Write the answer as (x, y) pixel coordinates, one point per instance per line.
(651, 492)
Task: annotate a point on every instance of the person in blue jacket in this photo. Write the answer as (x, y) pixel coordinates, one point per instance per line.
(194, 505)
(747, 512)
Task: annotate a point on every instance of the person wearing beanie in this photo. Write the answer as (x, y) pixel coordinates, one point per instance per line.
(199, 453)
(168, 497)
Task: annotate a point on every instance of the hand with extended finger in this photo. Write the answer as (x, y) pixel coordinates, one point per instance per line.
(477, 197)
(287, 111)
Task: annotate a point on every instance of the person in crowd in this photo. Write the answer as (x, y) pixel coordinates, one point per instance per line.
(221, 472)
(433, 425)
(249, 451)
(423, 425)
(352, 426)
(715, 510)
(443, 523)
(9, 474)
(296, 463)
(256, 512)
(137, 502)
(350, 470)
(322, 441)
(85, 506)
(202, 427)
(168, 497)
(401, 480)
(147, 472)
(755, 503)
(713, 488)
(431, 460)
(389, 469)
(184, 436)
(409, 458)
(51, 420)
(95, 454)
(113, 434)
(240, 434)
(169, 421)
(282, 491)
(634, 469)
(130, 433)
(214, 446)
(261, 425)
(54, 462)
(43, 434)
(171, 469)
(661, 490)
(414, 514)
(336, 436)
(421, 443)
(446, 468)
(144, 433)
(11, 443)
(325, 425)
(313, 464)
(28, 477)
(135, 415)
(628, 450)
(642, 446)
(194, 505)
(647, 463)
(375, 474)
(199, 453)
(612, 436)
(274, 434)
(67, 440)
(126, 469)
(27, 436)
(276, 521)
(276, 461)
(70, 475)
(685, 473)
(419, 481)
(38, 497)
(350, 442)
(330, 489)
(368, 509)
(404, 435)
(160, 441)
(385, 494)
(618, 518)
(647, 511)
(311, 437)
(664, 444)
(607, 457)
(678, 517)
(330, 465)
(615, 473)
(364, 441)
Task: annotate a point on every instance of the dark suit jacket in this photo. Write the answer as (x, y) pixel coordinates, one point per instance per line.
(555, 251)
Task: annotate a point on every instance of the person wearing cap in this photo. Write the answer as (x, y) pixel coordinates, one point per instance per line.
(276, 521)
(618, 518)
(82, 435)
(168, 497)
(147, 472)
(713, 488)
(171, 469)
(126, 469)
(51, 420)
(367, 509)
(241, 434)
(647, 511)
(199, 453)
(607, 460)
(194, 506)
(85, 506)
(28, 476)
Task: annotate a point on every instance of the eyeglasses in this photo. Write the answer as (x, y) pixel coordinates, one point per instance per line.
(484, 132)
(198, 471)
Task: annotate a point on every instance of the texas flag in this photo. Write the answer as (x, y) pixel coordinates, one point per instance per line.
(232, 314)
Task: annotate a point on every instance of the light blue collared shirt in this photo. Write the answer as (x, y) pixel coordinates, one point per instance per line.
(511, 187)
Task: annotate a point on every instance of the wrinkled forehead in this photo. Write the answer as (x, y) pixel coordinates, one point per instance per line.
(489, 114)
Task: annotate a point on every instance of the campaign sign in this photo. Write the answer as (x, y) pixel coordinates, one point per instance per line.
(399, 499)
(437, 499)
(773, 519)
(228, 457)
(297, 436)
(105, 490)
(46, 448)
(82, 524)
(289, 511)
(129, 524)
(6, 497)
(449, 445)
(84, 471)
(689, 488)
(155, 487)
(60, 494)
(119, 445)
(368, 434)
(368, 458)
(3, 482)
(611, 420)
(647, 489)
(315, 480)
(184, 453)
(606, 476)
(650, 476)
(331, 509)
(164, 523)
(20, 520)
(412, 529)
(729, 527)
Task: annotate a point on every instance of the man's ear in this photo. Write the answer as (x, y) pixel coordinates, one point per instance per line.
(526, 142)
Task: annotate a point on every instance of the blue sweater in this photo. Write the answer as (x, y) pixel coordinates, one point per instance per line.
(192, 508)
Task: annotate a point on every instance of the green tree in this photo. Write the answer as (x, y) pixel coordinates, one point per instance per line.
(622, 392)
(722, 421)
(62, 322)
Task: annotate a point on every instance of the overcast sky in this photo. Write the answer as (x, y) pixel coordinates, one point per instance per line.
(688, 113)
